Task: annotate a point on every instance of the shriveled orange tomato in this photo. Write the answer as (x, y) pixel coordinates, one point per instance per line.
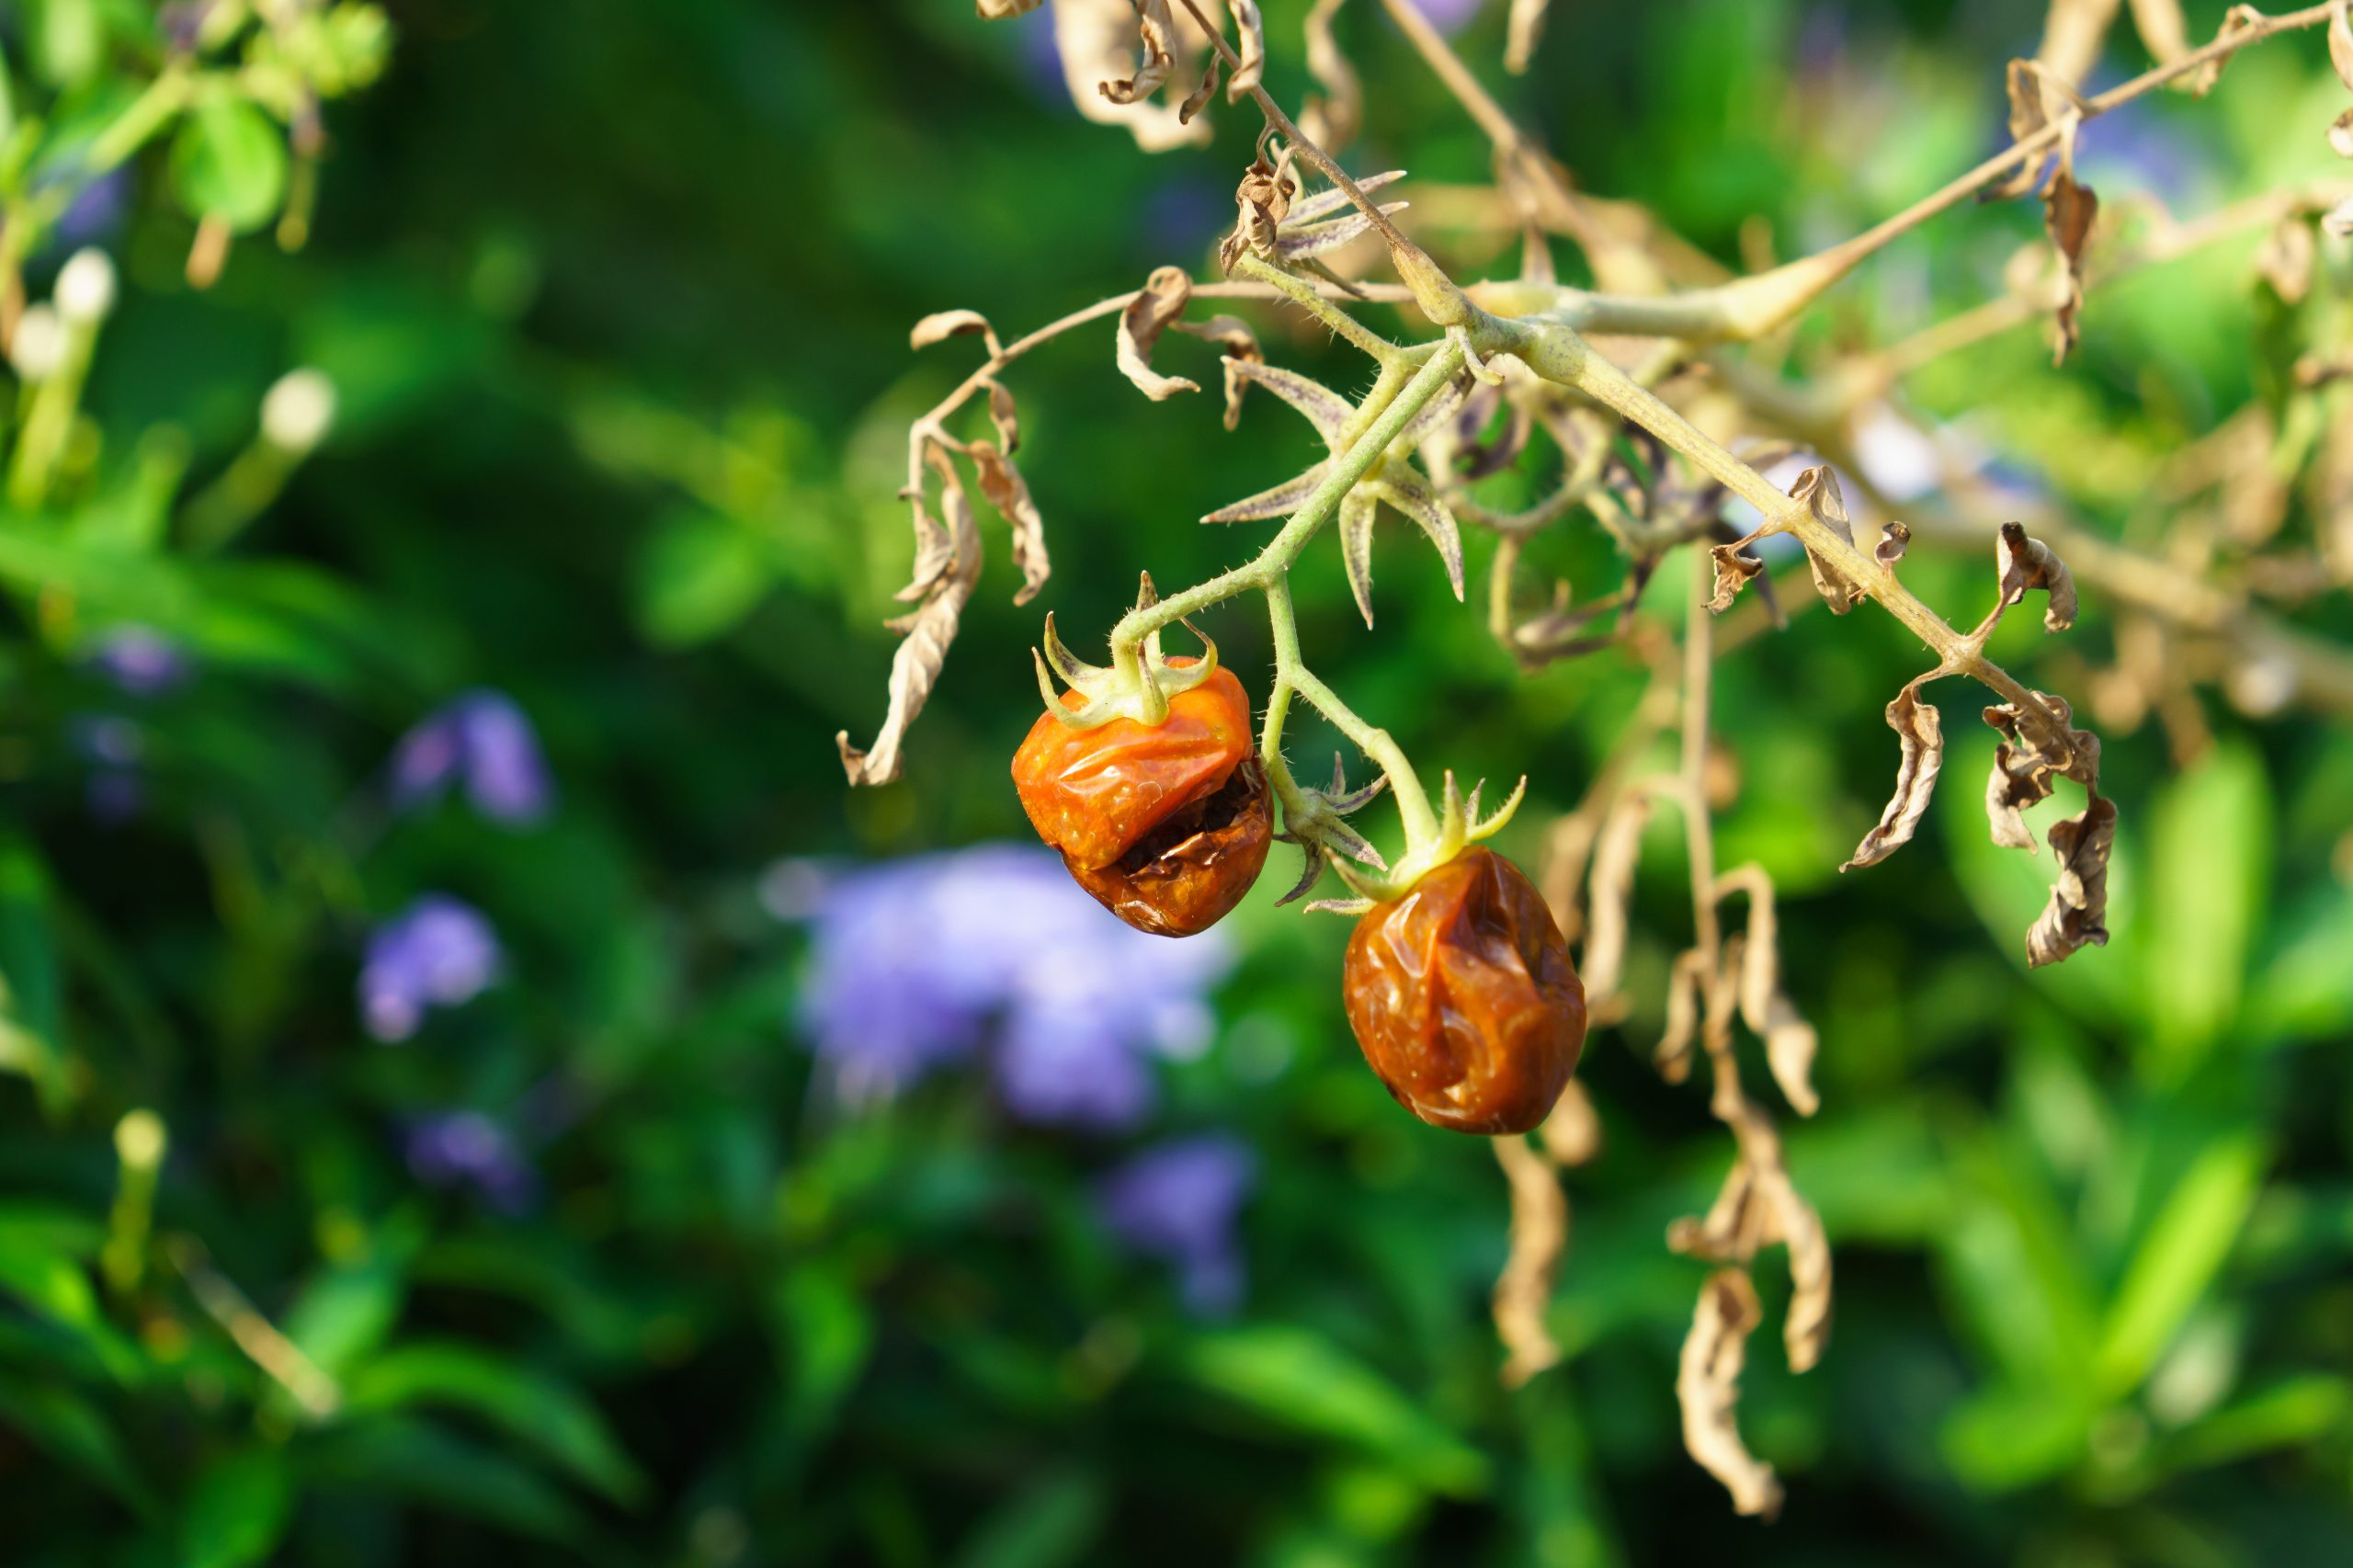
(1095, 793)
(1463, 998)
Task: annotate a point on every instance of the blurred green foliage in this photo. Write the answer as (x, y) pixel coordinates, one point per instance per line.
(615, 301)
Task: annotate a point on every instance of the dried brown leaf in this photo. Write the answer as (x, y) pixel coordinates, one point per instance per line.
(1198, 99)
(2023, 564)
(1707, 1386)
(2287, 259)
(1611, 885)
(2340, 43)
(1817, 487)
(1161, 301)
(1250, 35)
(996, 10)
(2340, 135)
(947, 580)
(2029, 116)
(1891, 544)
(1240, 345)
(1002, 483)
(2163, 32)
(2078, 914)
(1004, 416)
(1673, 1058)
(2068, 211)
(943, 324)
(2031, 756)
(1156, 36)
(1522, 31)
(1572, 1134)
(1920, 731)
(1735, 570)
(1097, 40)
(1331, 119)
(2201, 82)
(2072, 35)
(1791, 1042)
(1540, 1233)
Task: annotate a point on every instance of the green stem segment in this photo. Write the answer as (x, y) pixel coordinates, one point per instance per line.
(1391, 410)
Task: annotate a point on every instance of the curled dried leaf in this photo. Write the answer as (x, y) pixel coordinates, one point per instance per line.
(1331, 117)
(1250, 35)
(2029, 116)
(1572, 1134)
(1002, 483)
(1673, 1057)
(1611, 885)
(2031, 755)
(1522, 31)
(996, 10)
(2163, 32)
(2068, 211)
(1160, 302)
(941, 325)
(2076, 915)
(1156, 35)
(2023, 564)
(1003, 415)
(1239, 346)
(1540, 1233)
(1920, 731)
(2340, 43)
(1790, 1042)
(2287, 258)
(1817, 488)
(1892, 545)
(2201, 82)
(947, 568)
(1736, 566)
(1097, 40)
(2340, 135)
(1707, 1386)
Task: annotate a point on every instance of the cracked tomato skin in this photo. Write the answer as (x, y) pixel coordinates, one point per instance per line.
(1463, 998)
(1189, 873)
(1095, 794)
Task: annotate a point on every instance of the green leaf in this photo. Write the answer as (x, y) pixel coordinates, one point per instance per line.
(1298, 1379)
(28, 977)
(72, 1428)
(401, 1456)
(539, 1410)
(1053, 1522)
(827, 1334)
(2006, 1438)
(238, 1510)
(229, 163)
(2209, 859)
(700, 575)
(2290, 1413)
(2178, 1258)
(344, 1314)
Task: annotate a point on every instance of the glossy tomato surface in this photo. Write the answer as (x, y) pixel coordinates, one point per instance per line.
(1189, 873)
(1463, 998)
(1095, 794)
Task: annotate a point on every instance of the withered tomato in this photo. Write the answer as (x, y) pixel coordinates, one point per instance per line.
(1463, 998)
(1166, 825)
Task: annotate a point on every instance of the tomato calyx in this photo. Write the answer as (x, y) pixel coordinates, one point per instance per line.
(1317, 821)
(1137, 685)
(1460, 826)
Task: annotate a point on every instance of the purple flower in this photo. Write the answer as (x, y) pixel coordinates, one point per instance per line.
(438, 952)
(113, 748)
(140, 660)
(484, 738)
(1178, 1201)
(924, 963)
(466, 1148)
(97, 210)
(1451, 17)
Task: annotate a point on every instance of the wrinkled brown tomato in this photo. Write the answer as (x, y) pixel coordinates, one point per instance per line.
(1186, 874)
(1463, 998)
(1165, 825)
